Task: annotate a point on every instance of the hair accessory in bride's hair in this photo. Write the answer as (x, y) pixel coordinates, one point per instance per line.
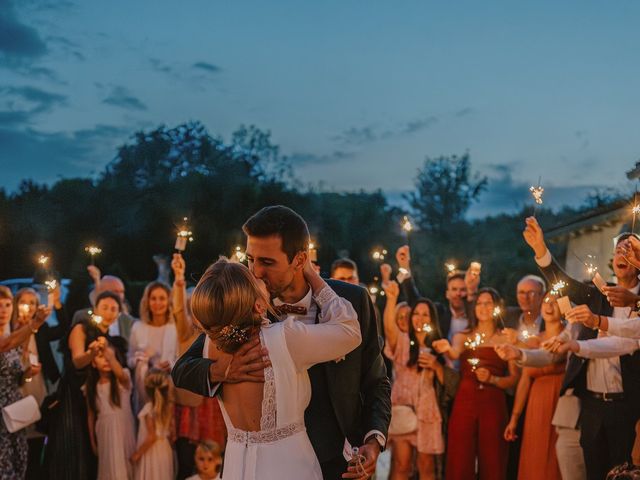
(233, 335)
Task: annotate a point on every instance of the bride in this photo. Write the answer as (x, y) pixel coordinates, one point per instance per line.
(267, 436)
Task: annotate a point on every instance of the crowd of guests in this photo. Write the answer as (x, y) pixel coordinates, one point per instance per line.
(479, 389)
(484, 390)
(112, 412)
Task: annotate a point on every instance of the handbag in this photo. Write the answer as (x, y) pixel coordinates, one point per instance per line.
(403, 420)
(21, 414)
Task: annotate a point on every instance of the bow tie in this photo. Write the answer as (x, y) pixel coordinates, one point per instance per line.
(286, 309)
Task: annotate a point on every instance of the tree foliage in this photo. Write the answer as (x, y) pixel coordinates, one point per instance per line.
(445, 188)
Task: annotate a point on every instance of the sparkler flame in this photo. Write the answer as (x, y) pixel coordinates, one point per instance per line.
(43, 260)
(427, 328)
(557, 287)
(406, 224)
(497, 311)
(51, 284)
(451, 267)
(537, 193)
(24, 309)
(93, 250)
(474, 362)
(475, 341)
(239, 254)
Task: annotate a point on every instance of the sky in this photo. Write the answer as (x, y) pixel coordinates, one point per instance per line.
(356, 93)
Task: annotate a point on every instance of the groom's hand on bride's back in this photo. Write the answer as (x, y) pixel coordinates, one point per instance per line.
(247, 364)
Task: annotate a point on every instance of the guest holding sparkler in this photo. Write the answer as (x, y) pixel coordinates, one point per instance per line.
(197, 418)
(479, 414)
(68, 454)
(461, 289)
(606, 381)
(539, 390)
(37, 350)
(13, 446)
(154, 339)
(422, 390)
(107, 283)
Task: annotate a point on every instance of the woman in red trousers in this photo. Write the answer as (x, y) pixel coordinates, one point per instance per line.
(476, 447)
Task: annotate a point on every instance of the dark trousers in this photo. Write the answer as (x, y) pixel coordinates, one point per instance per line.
(334, 468)
(35, 467)
(185, 451)
(607, 433)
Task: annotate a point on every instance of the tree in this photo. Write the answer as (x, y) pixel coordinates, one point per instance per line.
(445, 189)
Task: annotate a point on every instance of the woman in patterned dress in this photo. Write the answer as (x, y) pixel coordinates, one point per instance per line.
(13, 446)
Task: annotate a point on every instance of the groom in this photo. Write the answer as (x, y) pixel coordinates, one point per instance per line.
(350, 399)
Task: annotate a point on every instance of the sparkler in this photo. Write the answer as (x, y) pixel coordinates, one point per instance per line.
(96, 319)
(239, 255)
(635, 211)
(43, 260)
(450, 267)
(24, 309)
(427, 328)
(536, 192)
(475, 341)
(474, 362)
(184, 235)
(379, 255)
(313, 252)
(556, 288)
(51, 284)
(92, 250)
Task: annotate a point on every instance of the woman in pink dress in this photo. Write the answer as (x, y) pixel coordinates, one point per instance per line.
(542, 387)
(415, 370)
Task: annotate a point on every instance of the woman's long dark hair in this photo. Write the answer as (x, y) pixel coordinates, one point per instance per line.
(414, 348)
(498, 320)
(93, 376)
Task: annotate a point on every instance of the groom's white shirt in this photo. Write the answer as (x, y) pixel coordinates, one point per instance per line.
(309, 318)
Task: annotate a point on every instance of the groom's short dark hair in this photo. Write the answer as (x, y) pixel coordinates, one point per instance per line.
(283, 222)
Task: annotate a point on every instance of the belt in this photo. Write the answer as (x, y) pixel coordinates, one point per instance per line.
(606, 397)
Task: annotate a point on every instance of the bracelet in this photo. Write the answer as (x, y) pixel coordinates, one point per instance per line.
(33, 330)
(597, 327)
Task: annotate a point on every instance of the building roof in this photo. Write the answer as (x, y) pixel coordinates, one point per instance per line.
(591, 220)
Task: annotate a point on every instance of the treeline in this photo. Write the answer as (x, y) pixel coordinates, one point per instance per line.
(133, 208)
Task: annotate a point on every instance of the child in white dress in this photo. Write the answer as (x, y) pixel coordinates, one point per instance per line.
(111, 422)
(208, 461)
(154, 458)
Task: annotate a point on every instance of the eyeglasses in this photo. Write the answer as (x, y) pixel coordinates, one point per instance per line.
(532, 293)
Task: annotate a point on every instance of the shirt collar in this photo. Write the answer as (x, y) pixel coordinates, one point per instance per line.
(303, 302)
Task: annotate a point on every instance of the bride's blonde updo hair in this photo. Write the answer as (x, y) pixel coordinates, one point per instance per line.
(223, 302)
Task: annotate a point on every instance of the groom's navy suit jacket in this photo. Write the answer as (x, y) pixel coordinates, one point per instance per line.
(357, 388)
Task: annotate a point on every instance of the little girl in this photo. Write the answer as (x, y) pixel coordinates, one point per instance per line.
(208, 461)
(111, 422)
(154, 456)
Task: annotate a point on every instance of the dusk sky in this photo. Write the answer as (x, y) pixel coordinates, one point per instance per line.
(357, 93)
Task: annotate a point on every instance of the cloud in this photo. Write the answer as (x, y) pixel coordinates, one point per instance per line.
(21, 104)
(464, 112)
(18, 42)
(504, 194)
(417, 125)
(583, 138)
(207, 67)
(47, 156)
(299, 159)
(159, 66)
(371, 133)
(120, 97)
(358, 135)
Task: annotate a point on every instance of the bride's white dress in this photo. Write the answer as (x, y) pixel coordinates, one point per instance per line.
(281, 448)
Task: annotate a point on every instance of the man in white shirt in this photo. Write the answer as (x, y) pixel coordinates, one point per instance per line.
(609, 387)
